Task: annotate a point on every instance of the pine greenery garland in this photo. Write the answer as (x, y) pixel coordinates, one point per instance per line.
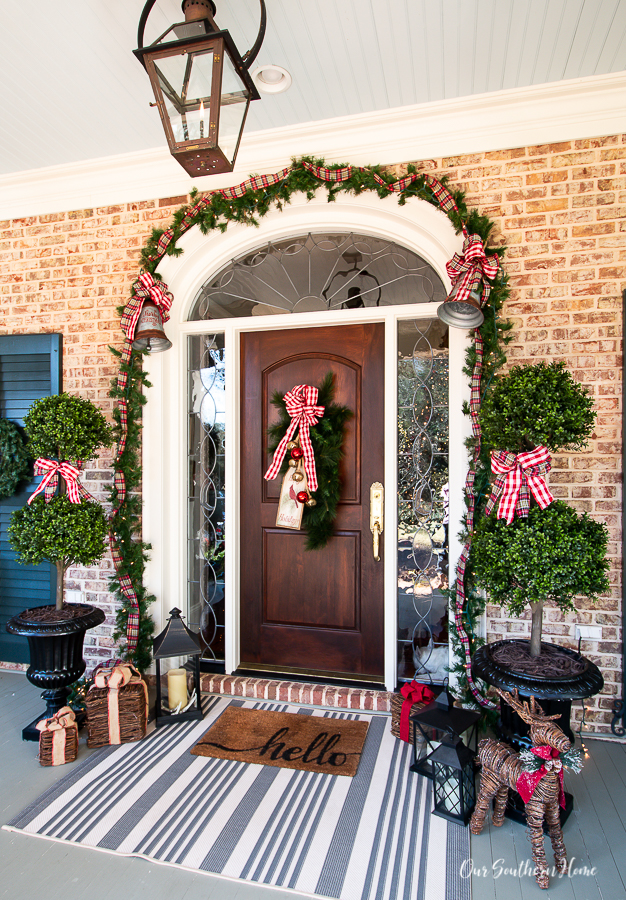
(14, 459)
(327, 442)
(248, 209)
(127, 523)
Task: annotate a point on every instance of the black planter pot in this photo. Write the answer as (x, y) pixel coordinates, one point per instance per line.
(580, 678)
(56, 657)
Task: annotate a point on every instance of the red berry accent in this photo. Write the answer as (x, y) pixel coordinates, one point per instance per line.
(302, 496)
(297, 453)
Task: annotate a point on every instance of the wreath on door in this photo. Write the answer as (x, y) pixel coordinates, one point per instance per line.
(326, 440)
(14, 459)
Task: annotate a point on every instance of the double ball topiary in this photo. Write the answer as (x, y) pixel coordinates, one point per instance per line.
(553, 554)
(65, 428)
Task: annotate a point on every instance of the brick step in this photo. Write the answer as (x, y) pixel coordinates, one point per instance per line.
(297, 692)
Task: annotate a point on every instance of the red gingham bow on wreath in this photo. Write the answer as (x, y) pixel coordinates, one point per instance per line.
(51, 469)
(517, 474)
(146, 288)
(300, 403)
(471, 266)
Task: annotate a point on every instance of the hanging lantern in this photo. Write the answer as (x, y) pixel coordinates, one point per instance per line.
(149, 333)
(202, 87)
(180, 704)
(461, 313)
(454, 781)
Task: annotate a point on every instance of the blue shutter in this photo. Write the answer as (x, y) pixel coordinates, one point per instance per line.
(30, 368)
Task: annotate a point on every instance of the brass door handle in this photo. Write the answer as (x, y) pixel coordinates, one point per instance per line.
(376, 532)
(377, 494)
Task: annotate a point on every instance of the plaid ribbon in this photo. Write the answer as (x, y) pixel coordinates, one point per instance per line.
(232, 193)
(528, 781)
(145, 288)
(471, 506)
(126, 587)
(517, 478)
(442, 194)
(125, 583)
(300, 403)
(51, 469)
(470, 267)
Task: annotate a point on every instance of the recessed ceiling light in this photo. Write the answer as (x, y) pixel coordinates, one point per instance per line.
(271, 79)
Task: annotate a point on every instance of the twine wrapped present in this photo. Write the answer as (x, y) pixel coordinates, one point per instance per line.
(117, 706)
(58, 738)
(413, 696)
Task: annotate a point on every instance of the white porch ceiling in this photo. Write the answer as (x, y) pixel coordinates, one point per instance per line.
(73, 91)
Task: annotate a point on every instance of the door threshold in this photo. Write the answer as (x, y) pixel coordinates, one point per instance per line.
(249, 685)
(320, 677)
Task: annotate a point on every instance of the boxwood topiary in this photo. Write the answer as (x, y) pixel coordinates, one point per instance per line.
(533, 405)
(63, 427)
(554, 554)
(66, 427)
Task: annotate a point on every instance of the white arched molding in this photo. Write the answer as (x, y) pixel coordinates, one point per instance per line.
(419, 227)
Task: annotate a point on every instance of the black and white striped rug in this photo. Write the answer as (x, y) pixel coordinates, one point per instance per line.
(371, 837)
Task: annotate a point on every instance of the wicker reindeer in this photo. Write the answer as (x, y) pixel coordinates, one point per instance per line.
(537, 775)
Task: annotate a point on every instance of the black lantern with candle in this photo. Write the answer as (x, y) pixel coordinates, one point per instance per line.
(202, 87)
(454, 780)
(176, 640)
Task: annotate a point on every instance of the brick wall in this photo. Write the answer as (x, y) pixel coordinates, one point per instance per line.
(559, 209)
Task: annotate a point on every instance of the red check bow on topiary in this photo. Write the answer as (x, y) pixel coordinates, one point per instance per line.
(518, 476)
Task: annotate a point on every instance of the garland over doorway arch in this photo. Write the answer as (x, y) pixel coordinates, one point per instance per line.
(244, 204)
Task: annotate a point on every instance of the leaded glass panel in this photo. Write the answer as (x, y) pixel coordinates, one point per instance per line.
(422, 499)
(205, 531)
(317, 273)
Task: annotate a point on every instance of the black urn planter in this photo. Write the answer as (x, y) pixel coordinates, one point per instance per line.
(561, 676)
(56, 656)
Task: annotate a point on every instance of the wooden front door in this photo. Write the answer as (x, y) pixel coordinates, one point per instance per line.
(317, 611)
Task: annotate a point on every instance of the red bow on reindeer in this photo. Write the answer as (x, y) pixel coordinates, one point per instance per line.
(528, 781)
(517, 475)
(51, 469)
(300, 403)
(471, 267)
(145, 288)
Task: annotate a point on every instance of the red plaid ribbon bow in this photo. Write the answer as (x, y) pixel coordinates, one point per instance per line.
(51, 469)
(300, 403)
(528, 781)
(471, 267)
(516, 476)
(145, 288)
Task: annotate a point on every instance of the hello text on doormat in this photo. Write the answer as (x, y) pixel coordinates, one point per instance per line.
(286, 740)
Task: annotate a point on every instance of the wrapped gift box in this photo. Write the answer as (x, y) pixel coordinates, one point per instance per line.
(58, 739)
(117, 706)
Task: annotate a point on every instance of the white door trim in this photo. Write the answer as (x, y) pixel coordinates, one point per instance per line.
(418, 226)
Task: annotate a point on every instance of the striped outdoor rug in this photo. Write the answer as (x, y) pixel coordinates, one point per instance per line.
(371, 836)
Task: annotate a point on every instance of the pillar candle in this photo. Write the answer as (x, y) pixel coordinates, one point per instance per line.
(176, 688)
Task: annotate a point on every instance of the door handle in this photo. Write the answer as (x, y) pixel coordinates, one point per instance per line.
(377, 494)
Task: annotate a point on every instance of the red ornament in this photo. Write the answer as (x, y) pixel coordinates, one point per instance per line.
(297, 453)
(302, 496)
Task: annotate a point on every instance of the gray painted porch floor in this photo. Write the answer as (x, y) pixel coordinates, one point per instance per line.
(595, 835)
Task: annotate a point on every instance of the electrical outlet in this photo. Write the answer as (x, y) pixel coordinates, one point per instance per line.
(74, 597)
(589, 632)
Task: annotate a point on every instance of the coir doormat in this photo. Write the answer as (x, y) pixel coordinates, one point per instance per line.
(286, 740)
